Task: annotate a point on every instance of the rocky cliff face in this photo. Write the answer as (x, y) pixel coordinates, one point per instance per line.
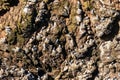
(60, 39)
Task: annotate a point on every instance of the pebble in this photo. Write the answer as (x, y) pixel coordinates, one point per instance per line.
(34, 1)
(27, 9)
(8, 30)
(59, 49)
(2, 40)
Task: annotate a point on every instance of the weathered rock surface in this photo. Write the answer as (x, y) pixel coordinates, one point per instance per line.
(59, 40)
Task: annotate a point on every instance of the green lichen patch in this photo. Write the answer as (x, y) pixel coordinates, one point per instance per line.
(88, 4)
(72, 28)
(12, 38)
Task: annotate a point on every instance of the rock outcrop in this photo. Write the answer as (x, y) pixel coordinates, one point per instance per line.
(59, 40)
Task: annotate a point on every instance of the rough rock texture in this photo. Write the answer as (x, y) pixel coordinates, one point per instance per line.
(59, 40)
